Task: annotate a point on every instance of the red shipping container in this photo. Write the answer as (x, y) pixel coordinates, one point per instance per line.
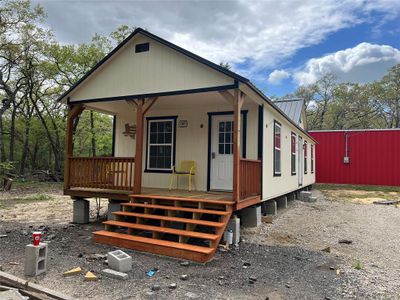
(373, 156)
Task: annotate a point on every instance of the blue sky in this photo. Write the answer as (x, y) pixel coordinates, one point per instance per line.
(387, 33)
(279, 45)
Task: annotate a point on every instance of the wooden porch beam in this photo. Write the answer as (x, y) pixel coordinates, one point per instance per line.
(238, 102)
(228, 97)
(150, 103)
(73, 112)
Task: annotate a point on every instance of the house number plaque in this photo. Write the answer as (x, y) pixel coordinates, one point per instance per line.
(183, 123)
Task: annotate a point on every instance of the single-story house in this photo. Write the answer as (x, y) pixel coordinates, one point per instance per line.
(177, 114)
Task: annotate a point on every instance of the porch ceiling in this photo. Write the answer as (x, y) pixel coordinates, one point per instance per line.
(186, 101)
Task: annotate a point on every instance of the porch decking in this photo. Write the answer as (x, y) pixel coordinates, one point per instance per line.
(124, 195)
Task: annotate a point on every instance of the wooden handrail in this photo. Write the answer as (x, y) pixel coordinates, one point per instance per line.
(250, 178)
(114, 173)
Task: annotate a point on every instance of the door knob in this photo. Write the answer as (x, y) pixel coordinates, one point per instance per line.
(213, 155)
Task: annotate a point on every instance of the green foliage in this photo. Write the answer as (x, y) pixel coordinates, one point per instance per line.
(358, 265)
(34, 71)
(6, 167)
(39, 197)
(333, 105)
(225, 65)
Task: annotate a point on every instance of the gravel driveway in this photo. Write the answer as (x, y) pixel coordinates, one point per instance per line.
(285, 257)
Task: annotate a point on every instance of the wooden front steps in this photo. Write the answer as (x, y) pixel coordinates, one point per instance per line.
(181, 227)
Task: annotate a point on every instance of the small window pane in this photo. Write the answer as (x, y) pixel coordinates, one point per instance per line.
(153, 162)
(168, 138)
(161, 139)
(221, 138)
(228, 137)
(153, 127)
(221, 149)
(167, 162)
(168, 127)
(228, 126)
(227, 148)
(161, 126)
(221, 126)
(153, 138)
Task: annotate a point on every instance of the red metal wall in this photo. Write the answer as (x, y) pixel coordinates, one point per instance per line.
(374, 157)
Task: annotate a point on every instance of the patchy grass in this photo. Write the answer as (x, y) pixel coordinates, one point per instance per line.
(34, 197)
(372, 188)
(358, 265)
(359, 194)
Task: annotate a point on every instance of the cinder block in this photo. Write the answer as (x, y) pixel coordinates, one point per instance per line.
(291, 196)
(305, 196)
(312, 199)
(113, 206)
(270, 208)
(281, 202)
(234, 225)
(81, 211)
(119, 261)
(114, 274)
(251, 216)
(35, 259)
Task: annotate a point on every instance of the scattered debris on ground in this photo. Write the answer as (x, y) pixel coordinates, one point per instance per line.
(296, 255)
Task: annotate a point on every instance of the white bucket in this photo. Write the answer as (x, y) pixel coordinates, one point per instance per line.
(228, 236)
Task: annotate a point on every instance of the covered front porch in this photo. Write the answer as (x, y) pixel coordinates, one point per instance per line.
(194, 135)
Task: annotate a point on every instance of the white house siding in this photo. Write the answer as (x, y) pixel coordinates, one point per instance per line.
(274, 186)
(161, 69)
(191, 142)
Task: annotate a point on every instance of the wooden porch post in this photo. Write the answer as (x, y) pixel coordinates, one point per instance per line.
(73, 112)
(137, 179)
(238, 101)
(142, 106)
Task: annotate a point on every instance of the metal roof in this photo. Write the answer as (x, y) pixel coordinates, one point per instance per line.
(292, 108)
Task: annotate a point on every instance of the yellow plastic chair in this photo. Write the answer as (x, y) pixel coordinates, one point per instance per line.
(186, 168)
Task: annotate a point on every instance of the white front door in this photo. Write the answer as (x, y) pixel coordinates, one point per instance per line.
(221, 152)
(300, 160)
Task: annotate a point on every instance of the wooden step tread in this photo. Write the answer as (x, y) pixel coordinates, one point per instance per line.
(201, 235)
(171, 219)
(222, 201)
(178, 208)
(155, 242)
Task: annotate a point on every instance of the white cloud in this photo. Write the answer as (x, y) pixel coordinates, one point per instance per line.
(251, 35)
(277, 76)
(363, 63)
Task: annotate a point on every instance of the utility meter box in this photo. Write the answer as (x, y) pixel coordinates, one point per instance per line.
(346, 160)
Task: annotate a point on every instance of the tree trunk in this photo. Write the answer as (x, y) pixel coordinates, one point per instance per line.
(12, 133)
(2, 144)
(25, 149)
(92, 134)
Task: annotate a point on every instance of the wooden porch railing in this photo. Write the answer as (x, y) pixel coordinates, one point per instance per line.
(114, 173)
(250, 178)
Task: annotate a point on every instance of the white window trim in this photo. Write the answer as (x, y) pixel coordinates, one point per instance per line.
(293, 152)
(305, 154)
(169, 144)
(312, 158)
(276, 124)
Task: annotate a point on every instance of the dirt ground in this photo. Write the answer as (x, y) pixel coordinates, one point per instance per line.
(285, 257)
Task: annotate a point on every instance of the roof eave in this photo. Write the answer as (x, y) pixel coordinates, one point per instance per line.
(271, 103)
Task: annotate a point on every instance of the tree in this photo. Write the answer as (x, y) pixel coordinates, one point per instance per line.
(388, 92)
(17, 23)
